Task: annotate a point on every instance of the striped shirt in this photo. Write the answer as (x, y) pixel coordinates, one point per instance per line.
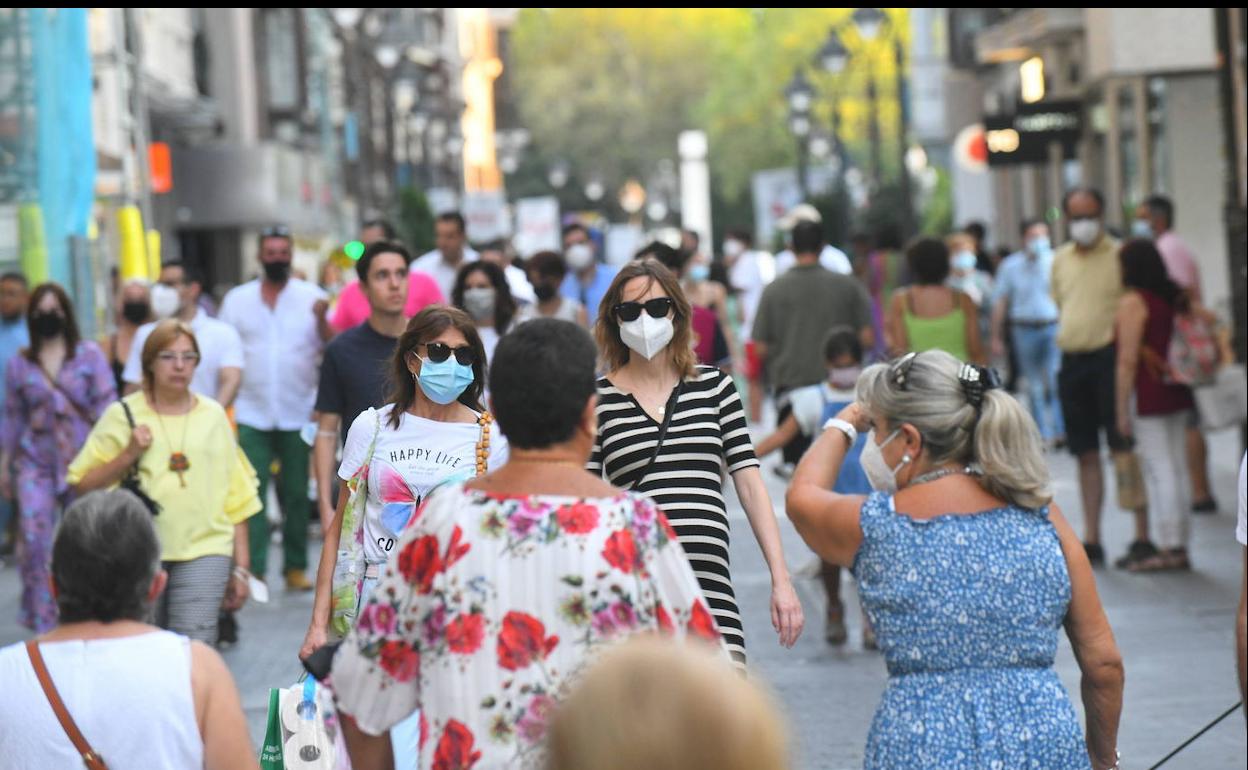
(707, 435)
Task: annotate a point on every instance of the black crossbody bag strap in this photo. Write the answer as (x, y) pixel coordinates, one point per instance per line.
(672, 401)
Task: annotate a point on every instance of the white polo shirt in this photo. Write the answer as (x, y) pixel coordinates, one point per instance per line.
(281, 352)
(432, 264)
(219, 348)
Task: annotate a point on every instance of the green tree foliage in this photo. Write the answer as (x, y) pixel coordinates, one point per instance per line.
(610, 89)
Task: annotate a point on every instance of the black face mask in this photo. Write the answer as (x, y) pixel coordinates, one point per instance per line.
(135, 312)
(277, 272)
(545, 292)
(47, 324)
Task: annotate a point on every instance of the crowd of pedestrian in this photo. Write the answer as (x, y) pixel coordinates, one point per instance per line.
(518, 464)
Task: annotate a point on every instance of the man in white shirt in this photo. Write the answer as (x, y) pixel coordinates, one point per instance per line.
(281, 321)
(220, 369)
(517, 280)
(831, 257)
(452, 251)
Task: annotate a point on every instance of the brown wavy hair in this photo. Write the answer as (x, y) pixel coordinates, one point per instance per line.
(426, 326)
(614, 353)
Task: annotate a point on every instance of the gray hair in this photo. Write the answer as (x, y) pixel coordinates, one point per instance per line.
(1000, 438)
(105, 555)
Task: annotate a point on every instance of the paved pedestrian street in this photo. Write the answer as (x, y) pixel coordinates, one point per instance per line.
(1175, 632)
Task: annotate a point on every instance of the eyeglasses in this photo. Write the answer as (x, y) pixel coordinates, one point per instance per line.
(276, 231)
(658, 307)
(169, 357)
(440, 351)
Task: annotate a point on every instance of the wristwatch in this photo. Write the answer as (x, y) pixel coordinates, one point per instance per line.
(850, 431)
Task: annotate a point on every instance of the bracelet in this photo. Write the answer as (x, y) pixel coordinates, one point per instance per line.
(850, 431)
(242, 573)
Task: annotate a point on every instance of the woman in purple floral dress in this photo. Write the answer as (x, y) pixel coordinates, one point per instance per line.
(55, 391)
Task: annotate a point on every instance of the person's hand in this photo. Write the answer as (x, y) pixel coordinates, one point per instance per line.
(140, 440)
(236, 592)
(786, 612)
(320, 309)
(313, 641)
(856, 416)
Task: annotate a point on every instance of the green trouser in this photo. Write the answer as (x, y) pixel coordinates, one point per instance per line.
(261, 446)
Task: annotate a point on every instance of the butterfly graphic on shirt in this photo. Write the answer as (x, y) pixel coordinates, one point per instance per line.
(400, 501)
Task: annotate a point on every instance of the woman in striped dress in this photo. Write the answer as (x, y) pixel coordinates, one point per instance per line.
(668, 429)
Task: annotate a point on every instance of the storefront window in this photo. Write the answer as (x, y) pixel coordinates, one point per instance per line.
(1158, 145)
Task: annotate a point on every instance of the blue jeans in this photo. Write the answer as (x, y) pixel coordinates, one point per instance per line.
(1039, 360)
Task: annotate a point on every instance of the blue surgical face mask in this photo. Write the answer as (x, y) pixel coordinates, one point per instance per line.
(699, 273)
(964, 260)
(1140, 228)
(1039, 246)
(444, 382)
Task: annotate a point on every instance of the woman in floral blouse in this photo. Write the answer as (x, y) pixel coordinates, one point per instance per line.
(504, 587)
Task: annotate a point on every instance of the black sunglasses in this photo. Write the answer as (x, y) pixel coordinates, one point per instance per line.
(440, 351)
(658, 307)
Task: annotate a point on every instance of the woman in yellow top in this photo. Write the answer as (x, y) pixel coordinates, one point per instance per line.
(929, 315)
(190, 464)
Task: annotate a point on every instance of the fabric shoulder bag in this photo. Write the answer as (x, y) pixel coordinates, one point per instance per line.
(348, 580)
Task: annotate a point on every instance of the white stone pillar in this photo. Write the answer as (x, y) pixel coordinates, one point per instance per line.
(695, 188)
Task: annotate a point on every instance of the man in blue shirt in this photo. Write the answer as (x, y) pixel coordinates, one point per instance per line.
(588, 279)
(14, 335)
(1022, 291)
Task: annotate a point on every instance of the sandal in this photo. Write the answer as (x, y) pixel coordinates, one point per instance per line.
(1172, 560)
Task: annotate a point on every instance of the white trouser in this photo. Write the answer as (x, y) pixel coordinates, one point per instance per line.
(1161, 443)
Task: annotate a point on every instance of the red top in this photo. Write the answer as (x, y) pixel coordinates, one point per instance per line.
(1153, 396)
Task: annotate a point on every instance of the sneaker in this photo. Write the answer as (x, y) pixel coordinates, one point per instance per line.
(1096, 554)
(227, 630)
(297, 580)
(1206, 506)
(1139, 551)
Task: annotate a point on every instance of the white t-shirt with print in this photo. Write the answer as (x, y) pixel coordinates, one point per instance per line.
(808, 404)
(407, 465)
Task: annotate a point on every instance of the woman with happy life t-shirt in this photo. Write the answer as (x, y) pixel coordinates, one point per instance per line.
(433, 431)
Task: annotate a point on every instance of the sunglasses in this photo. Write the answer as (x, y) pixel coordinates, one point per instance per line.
(631, 311)
(277, 231)
(440, 351)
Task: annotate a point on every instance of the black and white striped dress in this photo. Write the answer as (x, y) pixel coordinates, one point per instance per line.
(707, 434)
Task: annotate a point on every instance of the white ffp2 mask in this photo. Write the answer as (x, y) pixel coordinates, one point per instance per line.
(647, 336)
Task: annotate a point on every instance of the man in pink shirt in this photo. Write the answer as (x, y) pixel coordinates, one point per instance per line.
(353, 309)
(1154, 218)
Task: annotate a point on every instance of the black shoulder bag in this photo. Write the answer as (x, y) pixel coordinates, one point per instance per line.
(672, 402)
(130, 481)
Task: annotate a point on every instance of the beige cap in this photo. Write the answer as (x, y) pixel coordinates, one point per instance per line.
(802, 212)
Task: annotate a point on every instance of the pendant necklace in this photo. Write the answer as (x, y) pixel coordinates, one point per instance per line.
(178, 461)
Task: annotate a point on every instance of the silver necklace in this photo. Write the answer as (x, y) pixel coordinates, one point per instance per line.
(941, 473)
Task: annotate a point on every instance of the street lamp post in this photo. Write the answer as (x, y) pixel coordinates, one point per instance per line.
(870, 21)
(800, 96)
